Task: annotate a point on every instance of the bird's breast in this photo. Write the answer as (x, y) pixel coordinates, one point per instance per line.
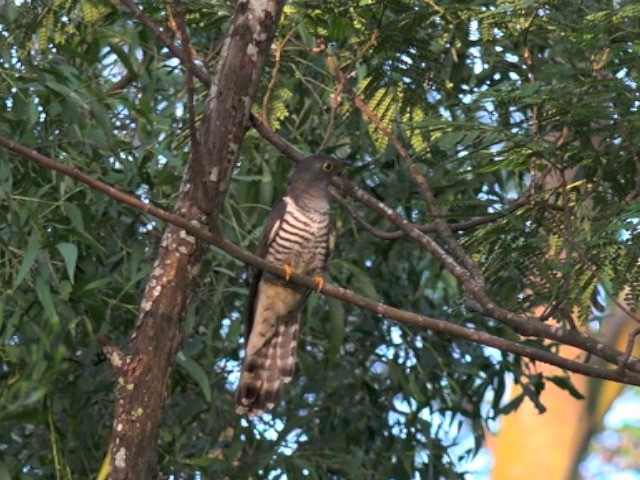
(301, 239)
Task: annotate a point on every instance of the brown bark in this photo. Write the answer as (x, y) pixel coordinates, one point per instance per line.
(142, 376)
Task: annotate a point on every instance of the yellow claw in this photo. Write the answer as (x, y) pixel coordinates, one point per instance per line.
(319, 283)
(287, 271)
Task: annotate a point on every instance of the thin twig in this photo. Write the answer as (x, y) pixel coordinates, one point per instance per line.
(276, 140)
(121, 83)
(629, 350)
(520, 323)
(430, 227)
(274, 79)
(336, 97)
(180, 31)
(376, 232)
(188, 56)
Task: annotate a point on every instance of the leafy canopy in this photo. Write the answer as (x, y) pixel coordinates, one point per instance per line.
(496, 100)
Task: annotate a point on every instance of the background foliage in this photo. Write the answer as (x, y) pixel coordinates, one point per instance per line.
(495, 99)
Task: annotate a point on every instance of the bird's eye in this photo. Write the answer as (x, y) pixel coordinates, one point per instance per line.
(327, 166)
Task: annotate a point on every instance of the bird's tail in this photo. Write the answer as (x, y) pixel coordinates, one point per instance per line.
(264, 372)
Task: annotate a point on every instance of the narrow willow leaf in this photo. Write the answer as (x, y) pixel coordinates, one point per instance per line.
(70, 254)
(336, 328)
(43, 291)
(33, 246)
(196, 372)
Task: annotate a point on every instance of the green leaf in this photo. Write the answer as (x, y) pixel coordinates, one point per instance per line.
(38, 393)
(360, 281)
(96, 284)
(338, 28)
(70, 254)
(335, 327)
(4, 471)
(512, 405)
(532, 390)
(196, 372)
(235, 330)
(43, 291)
(6, 181)
(450, 140)
(24, 415)
(65, 290)
(564, 382)
(75, 215)
(266, 185)
(416, 388)
(307, 39)
(10, 11)
(33, 246)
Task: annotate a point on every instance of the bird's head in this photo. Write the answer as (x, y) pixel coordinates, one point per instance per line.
(316, 172)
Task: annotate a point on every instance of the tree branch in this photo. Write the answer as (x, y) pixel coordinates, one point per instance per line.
(117, 359)
(467, 271)
(629, 372)
(260, 126)
(629, 350)
(430, 227)
(520, 323)
(440, 225)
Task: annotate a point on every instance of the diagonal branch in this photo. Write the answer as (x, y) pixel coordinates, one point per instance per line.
(277, 141)
(430, 227)
(629, 372)
(518, 322)
(441, 225)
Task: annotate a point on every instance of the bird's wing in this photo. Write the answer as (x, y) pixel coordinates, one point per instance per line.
(270, 231)
(272, 226)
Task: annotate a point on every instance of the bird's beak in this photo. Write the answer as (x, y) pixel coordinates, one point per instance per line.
(342, 165)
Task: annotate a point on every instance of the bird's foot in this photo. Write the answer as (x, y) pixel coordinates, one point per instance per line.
(288, 271)
(319, 282)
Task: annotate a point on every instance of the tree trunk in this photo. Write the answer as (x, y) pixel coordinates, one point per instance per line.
(142, 376)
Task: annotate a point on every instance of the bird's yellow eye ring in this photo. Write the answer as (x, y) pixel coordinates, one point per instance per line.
(327, 166)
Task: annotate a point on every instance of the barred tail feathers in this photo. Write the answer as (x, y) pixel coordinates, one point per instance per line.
(266, 369)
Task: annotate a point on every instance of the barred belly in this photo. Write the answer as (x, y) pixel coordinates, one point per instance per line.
(301, 239)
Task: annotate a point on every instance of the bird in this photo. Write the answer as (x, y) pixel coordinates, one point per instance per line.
(298, 235)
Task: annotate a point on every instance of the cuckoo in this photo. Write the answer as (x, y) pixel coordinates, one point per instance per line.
(299, 236)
